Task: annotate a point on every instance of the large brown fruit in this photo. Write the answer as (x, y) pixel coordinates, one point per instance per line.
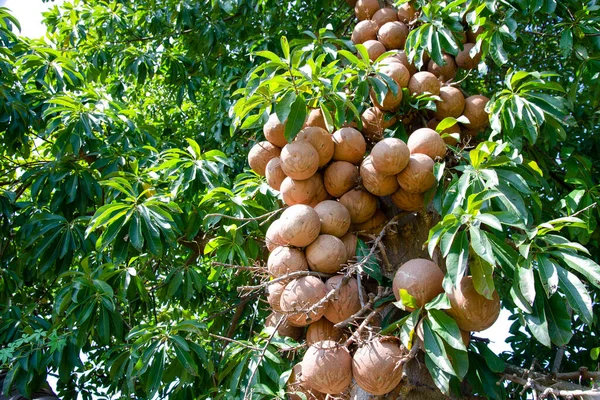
(422, 82)
(365, 9)
(375, 122)
(273, 237)
(418, 176)
(390, 102)
(349, 145)
(285, 260)
(393, 35)
(296, 386)
(464, 59)
(340, 177)
(444, 72)
(426, 141)
(299, 192)
(299, 226)
(299, 296)
(390, 156)
(361, 205)
(385, 15)
(335, 218)
(374, 48)
(323, 329)
(475, 112)
(472, 35)
(449, 140)
(350, 241)
(260, 154)
(375, 366)
(408, 201)
(273, 131)
(452, 104)
(320, 139)
(403, 59)
(285, 329)
(326, 254)
(299, 160)
(274, 173)
(421, 278)
(470, 310)
(398, 72)
(320, 192)
(406, 12)
(315, 118)
(363, 31)
(274, 292)
(347, 301)
(376, 182)
(327, 367)
(374, 225)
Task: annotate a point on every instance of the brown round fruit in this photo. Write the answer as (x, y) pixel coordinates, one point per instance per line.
(406, 201)
(274, 292)
(464, 59)
(320, 192)
(315, 118)
(327, 367)
(418, 176)
(375, 366)
(393, 35)
(421, 278)
(321, 140)
(384, 15)
(285, 260)
(374, 225)
(299, 296)
(326, 254)
(347, 301)
(449, 140)
(363, 31)
(361, 205)
(376, 182)
(422, 82)
(426, 141)
(390, 156)
(340, 177)
(350, 241)
(374, 48)
(365, 9)
(444, 72)
(273, 237)
(295, 386)
(335, 218)
(472, 311)
(273, 131)
(298, 192)
(274, 173)
(375, 122)
(260, 154)
(299, 160)
(475, 112)
(390, 102)
(452, 104)
(299, 226)
(401, 56)
(472, 35)
(398, 72)
(406, 12)
(323, 329)
(285, 329)
(349, 145)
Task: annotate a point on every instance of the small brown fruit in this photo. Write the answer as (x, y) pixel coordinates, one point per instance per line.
(299, 296)
(374, 225)
(475, 112)
(393, 35)
(299, 226)
(363, 31)
(299, 192)
(273, 236)
(384, 15)
(349, 145)
(361, 205)
(327, 367)
(315, 118)
(426, 141)
(285, 329)
(365, 9)
(323, 329)
(464, 59)
(375, 122)
(285, 260)
(421, 278)
(390, 156)
(418, 176)
(470, 310)
(260, 154)
(274, 292)
(295, 386)
(299, 160)
(340, 177)
(376, 182)
(374, 48)
(326, 254)
(350, 241)
(408, 201)
(273, 131)
(375, 366)
(444, 72)
(422, 82)
(406, 12)
(335, 218)
(452, 104)
(346, 303)
(274, 173)
(321, 140)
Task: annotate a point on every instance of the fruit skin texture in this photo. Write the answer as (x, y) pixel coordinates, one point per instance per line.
(427, 141)
(475, 112)
(320, 192)
(285, 328)
(285, 260)
(299, 296)
(315, 118)
(273, 237)
(422, 82)
(421, 278)
(361, 205)
(390, 102)
(375, 122)
(326, 254)
(384, 15)
(452, 104)
(299, 225)
(295, 385)
(299, 192)
(323, 329)
(418, 176)
(406, 12)
(374, 225)
(273, 131)
(340, 177)
(274, 173)
(376, 182)
(363, 31)
(472, 311)
(464, 59)
(397, 71)
(401, 58)
(408, 201)
(347, 302)
(444, 72)
(350, 241)
(374, 366)
(374, 48)
(299, 160)
(365, 9)
(274, 292)
(260, 154)
(334, 216)
(349, 145)
(320, 139)
(390, 156)
(327, 367)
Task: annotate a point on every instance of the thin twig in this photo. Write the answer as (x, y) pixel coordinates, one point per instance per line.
(227, 339)
(546, 391)
(244, 218)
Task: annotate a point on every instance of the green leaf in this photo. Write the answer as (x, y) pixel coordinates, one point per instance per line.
(440, 302)
(434, 348)
(483, 276)
(559, 320)
(284, 105)
(184, 358)
(456, 262)
(583, 265)
(548, 274)
(576, 294)
(407, 331)
(155, 373)
(407, 302)
(295, 119)
(444, 326)
(495, 363)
